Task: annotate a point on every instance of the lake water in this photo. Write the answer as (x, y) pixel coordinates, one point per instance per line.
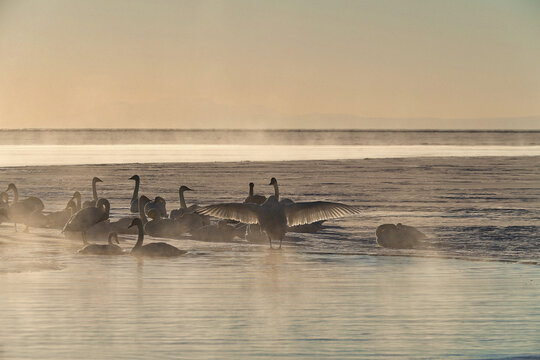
(470, 292)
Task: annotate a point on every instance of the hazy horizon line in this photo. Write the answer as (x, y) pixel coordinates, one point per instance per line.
(274, 129)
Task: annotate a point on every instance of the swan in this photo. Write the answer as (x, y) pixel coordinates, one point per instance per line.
(254, 199)
(398, 236)
(77, 198)
(159, 204)
(157, 226)
(107, 249)
(274, 216)
(87, 217)
(160, 249)
(160, 227)
(183, 207)
(20, 211)
(187, 215)
(58, 219)
(92, 203)
(4, 200)
(4, 206)
(134, 206)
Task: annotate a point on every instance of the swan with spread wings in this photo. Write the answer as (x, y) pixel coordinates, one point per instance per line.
(274, 215)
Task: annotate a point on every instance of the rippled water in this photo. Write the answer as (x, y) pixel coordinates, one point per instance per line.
(471, 292)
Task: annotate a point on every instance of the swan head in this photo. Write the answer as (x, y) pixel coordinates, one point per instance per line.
(184, 188)
(96, 180)
(135, 177)
(273, 181)
(251, 184)
(76, 195)
(11, 187)
(113, 237)
(135, 222)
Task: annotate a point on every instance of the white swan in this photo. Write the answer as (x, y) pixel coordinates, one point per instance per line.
(134, 205)
(92, 203)
(88, 217)
(20, 211)
(108, 249)
(254, 199)
(159, 249)
(274, 216)
(398, 236)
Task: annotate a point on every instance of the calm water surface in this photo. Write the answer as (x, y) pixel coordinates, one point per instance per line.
(472, 292)
(254, 302)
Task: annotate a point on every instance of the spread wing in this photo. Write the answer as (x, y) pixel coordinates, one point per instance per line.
(246, 213)
(309, 212)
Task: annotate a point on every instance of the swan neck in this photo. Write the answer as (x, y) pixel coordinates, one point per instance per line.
(136, 190)
(140, 237)
(182, 200)
(142, 215)
(15, 194)
(250, 190)
(94, 191)
(276, 191)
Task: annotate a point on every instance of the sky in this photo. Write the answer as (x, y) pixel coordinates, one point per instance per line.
(399, 64)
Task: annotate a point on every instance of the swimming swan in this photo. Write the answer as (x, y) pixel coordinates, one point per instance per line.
(274, 216)
(159, 249)
(92, 203)
(254, 199)
(107, 249)
(88, 217)
(398, 236)
(134, 205)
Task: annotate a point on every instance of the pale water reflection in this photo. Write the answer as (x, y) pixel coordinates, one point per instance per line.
(27, 155)
(269, 304)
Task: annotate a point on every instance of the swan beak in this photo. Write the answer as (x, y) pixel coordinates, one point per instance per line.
(99, 180)
(133, 177)
(189, 189)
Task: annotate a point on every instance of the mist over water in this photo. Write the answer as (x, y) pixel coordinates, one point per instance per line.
(267, 137)
(470, 291)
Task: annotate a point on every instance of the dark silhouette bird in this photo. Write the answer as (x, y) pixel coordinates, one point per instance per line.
(21, 211)
(157, 249)
(93, 202)
(254, 199)
(398, 236)
(88, 217)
